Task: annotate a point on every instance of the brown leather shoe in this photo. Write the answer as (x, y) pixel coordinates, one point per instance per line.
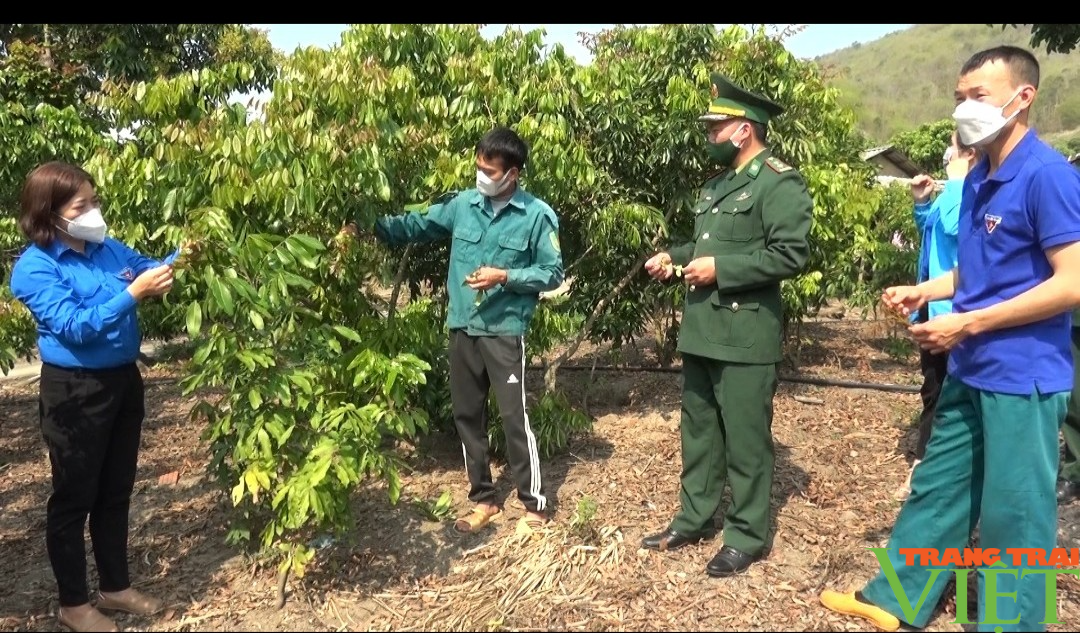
(89, 621)
(130, 601)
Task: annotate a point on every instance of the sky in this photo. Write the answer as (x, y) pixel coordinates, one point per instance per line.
(814, 40)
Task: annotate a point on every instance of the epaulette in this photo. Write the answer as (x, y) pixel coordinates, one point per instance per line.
(777, 165)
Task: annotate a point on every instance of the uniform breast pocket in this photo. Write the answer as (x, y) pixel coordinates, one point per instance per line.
(466, 243)
(85, 286)
(513, 252)
(700, 213)
(736, 222)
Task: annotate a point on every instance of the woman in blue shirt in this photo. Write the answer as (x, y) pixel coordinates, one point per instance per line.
(82, 288)
(938, 221)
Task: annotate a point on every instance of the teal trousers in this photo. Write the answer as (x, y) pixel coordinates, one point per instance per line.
(991, 461)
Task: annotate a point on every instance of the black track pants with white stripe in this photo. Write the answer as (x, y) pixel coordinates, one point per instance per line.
(478, 363)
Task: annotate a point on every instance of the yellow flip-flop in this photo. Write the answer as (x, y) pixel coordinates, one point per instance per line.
(847, 604)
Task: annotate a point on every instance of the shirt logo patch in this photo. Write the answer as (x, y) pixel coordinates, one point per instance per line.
(992, 222)
(127, 274)
(555, 241)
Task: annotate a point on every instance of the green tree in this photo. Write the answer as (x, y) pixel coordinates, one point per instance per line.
(1057, 38)
(925, 145)
(311, 366)
(49, 74)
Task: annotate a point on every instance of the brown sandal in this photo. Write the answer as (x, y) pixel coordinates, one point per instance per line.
(475, 520)
(93, 621)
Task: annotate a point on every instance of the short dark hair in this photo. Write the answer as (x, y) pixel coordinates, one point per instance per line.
(761, 131)
(504, 144)
(49, 187)
(1023, 67)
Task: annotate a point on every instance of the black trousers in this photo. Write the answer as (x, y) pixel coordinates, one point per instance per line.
(477, 364)
(934, 368)
(91, 421)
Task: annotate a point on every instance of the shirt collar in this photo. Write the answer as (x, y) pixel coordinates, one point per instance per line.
(1014, 161)
(58, 247)
(516, 200)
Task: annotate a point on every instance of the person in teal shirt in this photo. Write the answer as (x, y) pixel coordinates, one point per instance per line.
(504, 251)
(938, 221)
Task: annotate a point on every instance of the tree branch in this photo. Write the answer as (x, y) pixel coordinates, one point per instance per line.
(553, 367)
(399, 278)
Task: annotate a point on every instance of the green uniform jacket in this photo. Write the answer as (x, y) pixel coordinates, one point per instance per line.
(755, 224)
(522, 239)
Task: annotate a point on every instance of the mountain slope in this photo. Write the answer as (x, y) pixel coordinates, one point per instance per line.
(907, 78)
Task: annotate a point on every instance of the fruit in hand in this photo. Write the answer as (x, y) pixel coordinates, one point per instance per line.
(671, 269)
(898, 318)
(183, 255)
(471, 279)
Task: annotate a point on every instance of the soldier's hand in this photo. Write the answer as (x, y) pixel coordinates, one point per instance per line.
(903, 301)
(921, 188)
(701, 271)
(659, 267)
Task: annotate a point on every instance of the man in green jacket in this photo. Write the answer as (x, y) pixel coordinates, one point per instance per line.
(504, 252)
(752, 222)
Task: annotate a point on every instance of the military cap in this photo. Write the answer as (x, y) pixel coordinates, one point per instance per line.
(729, 100)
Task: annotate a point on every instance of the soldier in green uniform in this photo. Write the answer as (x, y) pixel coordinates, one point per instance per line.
(752, 222)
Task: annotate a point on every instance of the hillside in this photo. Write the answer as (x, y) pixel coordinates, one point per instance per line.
(907, 78)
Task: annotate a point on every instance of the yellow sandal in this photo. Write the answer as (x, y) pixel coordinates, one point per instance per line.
(475, 520)
(848, 604)
(527, 525)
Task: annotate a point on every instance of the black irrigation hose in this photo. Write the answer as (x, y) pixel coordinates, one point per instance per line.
(808, 380)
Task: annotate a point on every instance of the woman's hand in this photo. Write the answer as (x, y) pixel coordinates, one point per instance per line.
(152, 283)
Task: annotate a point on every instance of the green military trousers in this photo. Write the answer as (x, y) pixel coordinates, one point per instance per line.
(991, 458)
(727, 411)
(1070, 468)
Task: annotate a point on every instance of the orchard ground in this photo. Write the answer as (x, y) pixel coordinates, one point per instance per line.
(841, 453)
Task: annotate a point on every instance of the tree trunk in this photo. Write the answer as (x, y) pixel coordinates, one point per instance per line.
(551, 369)
(399, 279)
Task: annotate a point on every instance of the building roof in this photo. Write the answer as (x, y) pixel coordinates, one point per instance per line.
(894, 156)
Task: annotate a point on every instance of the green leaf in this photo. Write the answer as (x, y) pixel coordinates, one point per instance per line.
(194, 319)
(348, 333)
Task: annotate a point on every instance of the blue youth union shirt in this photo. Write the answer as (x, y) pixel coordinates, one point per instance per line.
(85, 316)
(1007, 223)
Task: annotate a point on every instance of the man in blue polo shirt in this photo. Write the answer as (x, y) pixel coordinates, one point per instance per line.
(993, 456)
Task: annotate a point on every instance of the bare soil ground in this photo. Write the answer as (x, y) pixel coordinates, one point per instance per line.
(840, 455)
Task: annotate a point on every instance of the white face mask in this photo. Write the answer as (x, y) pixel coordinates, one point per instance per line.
(489, 187)
(979, 123)
(89, 226)
(947, 157)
